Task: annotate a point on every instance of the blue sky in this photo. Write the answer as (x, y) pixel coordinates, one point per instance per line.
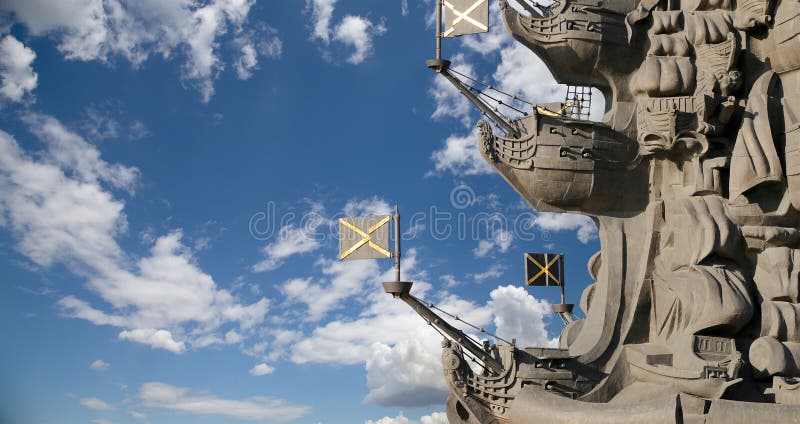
(170, 177)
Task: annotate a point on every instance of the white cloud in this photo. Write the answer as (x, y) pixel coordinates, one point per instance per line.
(435, 418)
(553, 221)
(99, 365)
(404, 375)
(341, 280)
(101, 421)
(248, 60)
(450, 103)
(353, 31)
(358, 32)
(95, 403)
(261, 369)
(519, 315)
(501, 241)
(264, 409)
(495, 39)
(138, 415)
(522, 73)
(59, 210)
(99, 125)
(370, 206)
(136, 30)
(321, 14)
(137, 130)
(460, 156)
(291, 241)
(495, 271)
(400, 419)
(72, 153)
(382, 320)
(404, 7)
(160, 339)
(233, 337)
(17, 77)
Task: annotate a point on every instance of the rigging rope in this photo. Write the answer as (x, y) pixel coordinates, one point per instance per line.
(500, 102)
(491, 87)
(455, 317)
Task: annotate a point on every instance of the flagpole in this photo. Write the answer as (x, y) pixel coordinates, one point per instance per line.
(397, 239)
(561, 276)
(438, 29)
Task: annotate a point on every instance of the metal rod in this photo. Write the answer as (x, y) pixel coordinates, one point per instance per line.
(438, 29)
(397, 241)
(547, 274)
(507, 127)
(561, 276)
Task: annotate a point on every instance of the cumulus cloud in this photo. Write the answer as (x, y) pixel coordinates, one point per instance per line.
(291, 241)
(61, 209)
(460, 156)
(261, 369)
(95, 403)
(519, 315)
(262, 409)
(553, 221)
(435, 418)
(136, 30)
(160, 339)
(99, 365)
(354, 32)
(358, 32)
(17, 77)
(402, 375)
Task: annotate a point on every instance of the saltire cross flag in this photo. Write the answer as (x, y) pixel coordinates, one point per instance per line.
(364, 237)
(544, 269)
(463, 17)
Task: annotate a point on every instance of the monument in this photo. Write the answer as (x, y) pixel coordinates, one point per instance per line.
(693, 179)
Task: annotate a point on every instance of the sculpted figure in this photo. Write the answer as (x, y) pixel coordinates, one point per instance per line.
(693, 178)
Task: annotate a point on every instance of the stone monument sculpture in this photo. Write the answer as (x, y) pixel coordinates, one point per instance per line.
(693, 179)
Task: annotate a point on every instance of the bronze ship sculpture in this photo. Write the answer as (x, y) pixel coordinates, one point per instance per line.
(693, 179)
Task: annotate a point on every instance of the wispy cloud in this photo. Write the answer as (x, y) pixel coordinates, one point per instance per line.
(95, 403)
(99, 365)
(17, 77)
(262, 409)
